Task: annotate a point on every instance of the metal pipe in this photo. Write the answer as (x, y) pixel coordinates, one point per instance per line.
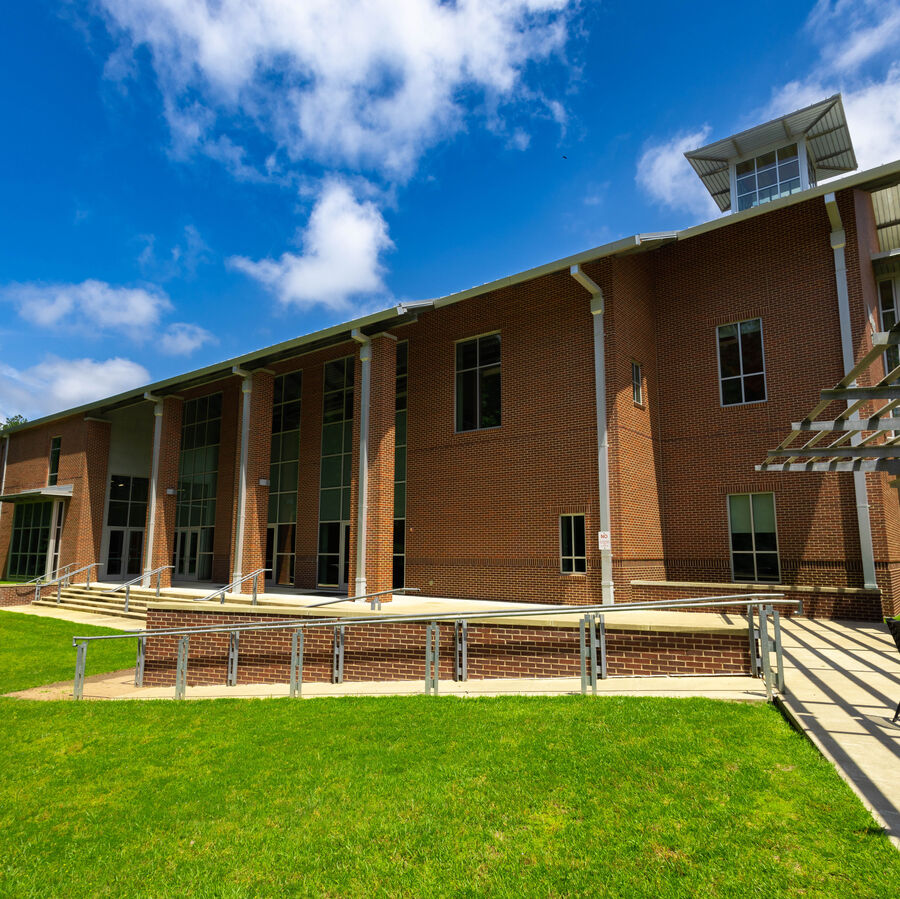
(154, 484)
(246, 391)
(864, 523)
(607, 588)
(365, 358)
(710, 602)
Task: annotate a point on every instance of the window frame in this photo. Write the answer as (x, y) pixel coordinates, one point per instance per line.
(637, 383)
(571, 516)
(753, 552)
(478, 427)
(805, 166)
(895, 291)
(743, 374)
(53, 471)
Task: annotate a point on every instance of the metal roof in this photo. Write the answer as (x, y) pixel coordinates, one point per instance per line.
(60, 491)
(823, 125)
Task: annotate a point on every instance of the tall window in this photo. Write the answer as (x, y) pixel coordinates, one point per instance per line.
(754, 541)
(53, 468)
(283, 468)
(573, 559)
(767, 177)
(742, 377)
(337, 461)
(30, 540)
(198, 469)
(400, 467)
(887, 306)
(478, 383)
(637, 384)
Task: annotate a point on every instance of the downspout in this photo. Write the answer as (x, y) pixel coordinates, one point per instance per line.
(154, 482)
(606, 579)
(246, 391)
(838, 243)
(365, 357)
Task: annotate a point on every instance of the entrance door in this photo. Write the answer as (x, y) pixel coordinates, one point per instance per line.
(187, 549)
(124, 553)
(334, 554)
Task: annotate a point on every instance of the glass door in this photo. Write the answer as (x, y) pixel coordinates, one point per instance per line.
(126, 515)
(334, 554)
(124, 552)
(187, 545)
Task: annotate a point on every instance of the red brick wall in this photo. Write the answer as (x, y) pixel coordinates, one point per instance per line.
(397, 652)
(20, 595)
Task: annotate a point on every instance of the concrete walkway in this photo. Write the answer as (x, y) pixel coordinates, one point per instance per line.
(843, 684)
(111, 621)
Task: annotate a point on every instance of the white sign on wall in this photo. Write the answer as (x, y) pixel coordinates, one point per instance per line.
(604, 540)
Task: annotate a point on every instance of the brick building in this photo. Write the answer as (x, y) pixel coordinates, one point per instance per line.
(586, 429)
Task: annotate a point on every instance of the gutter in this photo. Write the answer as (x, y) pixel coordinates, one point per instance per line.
(607, 588)
(838, 243)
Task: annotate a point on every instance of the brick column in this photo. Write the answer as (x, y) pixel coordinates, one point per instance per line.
(167, 479)
(380, 517)
(83, 525)
(256, 508)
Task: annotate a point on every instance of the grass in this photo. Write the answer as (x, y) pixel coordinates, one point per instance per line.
(36, 651)
(419, 796)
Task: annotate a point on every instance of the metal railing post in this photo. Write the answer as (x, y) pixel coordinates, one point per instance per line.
(432, 656)
(337, 667)
(181, 670)
(460, 650)
(127, 596)
(58, 592)
(601, 638)
(751, 629)
(88, 579)
(80, 665)
(255, 585)
(139, 662)
(582, 651)
(234, 638)
(158, 582)
(764, 650)
(592, 625)
(776, 634)
(297, 663)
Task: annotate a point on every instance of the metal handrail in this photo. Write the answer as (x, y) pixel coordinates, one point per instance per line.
(145, 574)
(591, 615)
(374, 605)
(67, 579)
(40, 578)
(236, 583)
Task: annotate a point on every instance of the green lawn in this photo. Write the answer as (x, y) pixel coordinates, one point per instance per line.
(36, 651)
(425, 796)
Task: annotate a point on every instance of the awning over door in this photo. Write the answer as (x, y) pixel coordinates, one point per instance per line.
(39, 494)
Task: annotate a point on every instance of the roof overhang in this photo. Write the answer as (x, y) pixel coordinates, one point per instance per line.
(40, 494)
(823, 126)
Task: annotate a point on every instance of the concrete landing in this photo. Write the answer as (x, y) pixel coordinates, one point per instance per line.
(843, 685)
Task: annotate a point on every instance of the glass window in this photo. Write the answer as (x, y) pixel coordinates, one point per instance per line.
(754, 541)
(887, 307)
(400, 423)
(767, 177)
(30, 541)
(573, 559)
(478, 383)
(637, 384)
(53, 470)
(742, 375)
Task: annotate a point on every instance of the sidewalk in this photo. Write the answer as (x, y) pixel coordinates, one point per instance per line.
(843, 684)
(111, 621)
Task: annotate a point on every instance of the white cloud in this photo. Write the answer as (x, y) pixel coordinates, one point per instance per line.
(182, 338)
(666, 176)
(341, 259)
(853, 38)
(182, 260)
(92, 305)
(55, 384)
(343, 82)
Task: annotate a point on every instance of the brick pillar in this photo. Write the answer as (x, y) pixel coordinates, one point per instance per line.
(167, 479)
(83, 525)
(380, 517)
(256, 508)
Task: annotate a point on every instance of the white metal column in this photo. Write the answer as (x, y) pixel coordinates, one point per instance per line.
(154, 481)
(365, 357)
(246, 391)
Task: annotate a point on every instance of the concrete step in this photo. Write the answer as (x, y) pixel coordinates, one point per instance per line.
(94, 608)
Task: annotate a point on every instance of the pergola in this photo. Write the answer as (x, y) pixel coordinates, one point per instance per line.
(864, 436)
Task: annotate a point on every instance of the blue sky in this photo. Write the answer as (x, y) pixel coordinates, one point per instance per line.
(184, 181)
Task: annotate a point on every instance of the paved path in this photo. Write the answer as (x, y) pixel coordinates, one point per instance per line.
(843, 685)
(113, 621)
